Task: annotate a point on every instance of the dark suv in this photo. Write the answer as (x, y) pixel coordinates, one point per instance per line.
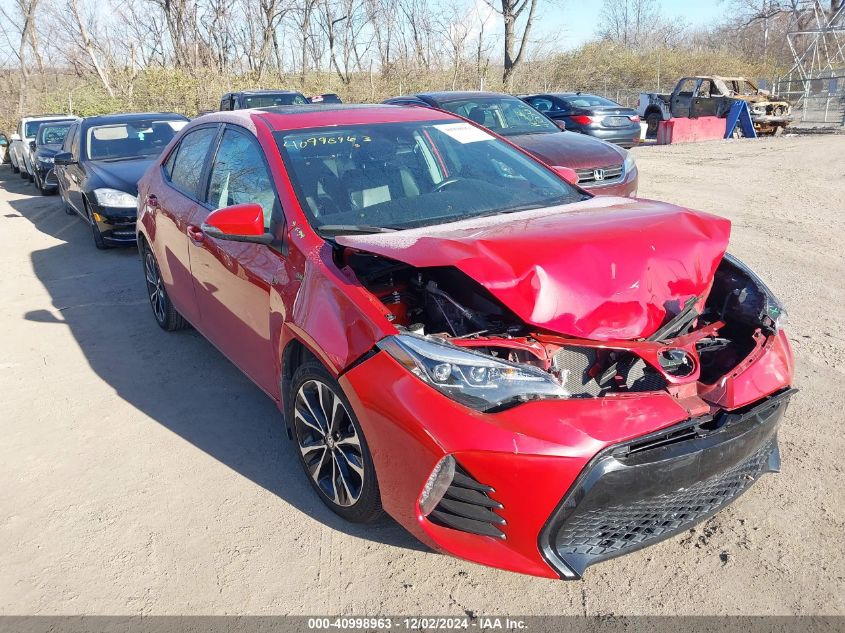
(261, 99)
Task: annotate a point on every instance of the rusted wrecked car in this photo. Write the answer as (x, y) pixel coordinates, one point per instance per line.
(713, 96)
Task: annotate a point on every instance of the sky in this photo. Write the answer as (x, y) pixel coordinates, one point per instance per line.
(578, 18)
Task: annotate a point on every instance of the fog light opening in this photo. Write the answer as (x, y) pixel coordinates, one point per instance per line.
(438, 482)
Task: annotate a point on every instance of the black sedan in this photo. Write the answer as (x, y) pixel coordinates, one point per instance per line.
(590, 114)
(101, 161)
(48, 142)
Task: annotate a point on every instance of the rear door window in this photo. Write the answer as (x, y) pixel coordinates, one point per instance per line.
(189, 160)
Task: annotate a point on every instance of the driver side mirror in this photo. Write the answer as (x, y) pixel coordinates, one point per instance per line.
(568, 174)
(32, 145)
(560, 124)
(238, 223)
(63, 158)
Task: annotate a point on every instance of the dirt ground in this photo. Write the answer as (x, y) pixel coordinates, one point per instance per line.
(141, 473)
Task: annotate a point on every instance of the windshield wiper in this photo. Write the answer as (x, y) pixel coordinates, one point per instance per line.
(339, 229)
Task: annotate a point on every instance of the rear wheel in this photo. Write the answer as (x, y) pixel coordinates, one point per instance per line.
(332, 448)
(15, 168)
(165, 314)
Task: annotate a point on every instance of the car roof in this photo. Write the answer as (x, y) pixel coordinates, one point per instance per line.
(128, 117)
(46, 117)
(264, 91)
(280, 118)
(458, 95)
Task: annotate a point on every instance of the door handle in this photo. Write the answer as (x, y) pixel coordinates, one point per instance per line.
(195, 233)
(152, 201)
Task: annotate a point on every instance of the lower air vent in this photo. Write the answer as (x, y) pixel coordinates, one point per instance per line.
(467, 507)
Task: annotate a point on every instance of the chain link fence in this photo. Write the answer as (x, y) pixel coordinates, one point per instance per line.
(818, 99)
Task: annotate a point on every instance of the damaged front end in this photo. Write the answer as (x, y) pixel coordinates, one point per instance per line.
(456, 336)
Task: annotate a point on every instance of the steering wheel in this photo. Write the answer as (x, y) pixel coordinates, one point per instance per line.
(448, 183)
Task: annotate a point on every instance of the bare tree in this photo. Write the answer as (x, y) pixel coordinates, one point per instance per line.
(88, 45)
(511, 11)
(23, 21)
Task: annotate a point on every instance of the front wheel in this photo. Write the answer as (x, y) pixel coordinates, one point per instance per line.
(332, 448)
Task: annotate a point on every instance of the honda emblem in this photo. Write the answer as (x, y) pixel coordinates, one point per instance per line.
(598, 174)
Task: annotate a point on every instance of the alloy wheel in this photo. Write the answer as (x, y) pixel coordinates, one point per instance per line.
(155, 286)
(329, 443)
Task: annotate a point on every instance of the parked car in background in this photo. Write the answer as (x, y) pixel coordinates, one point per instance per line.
(261, 99)
(329, 97)
(98, 169)
(48, 142)
(520, 373)
(590, 114)
(712, 95)
(4, 149)
(602, 168)
(20, 150)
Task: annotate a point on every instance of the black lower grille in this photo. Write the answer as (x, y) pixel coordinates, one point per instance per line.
(640, 492)
(607, 531)
(467, 506)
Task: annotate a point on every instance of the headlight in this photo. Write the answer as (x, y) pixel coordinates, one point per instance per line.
(768, 310)
(115, 198)
(473, 379)
(47, 160)
(630, 163)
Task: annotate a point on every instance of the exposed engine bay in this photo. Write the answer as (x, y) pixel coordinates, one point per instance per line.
(700, 341)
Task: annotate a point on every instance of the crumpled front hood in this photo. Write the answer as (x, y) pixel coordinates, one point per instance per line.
(603, 269)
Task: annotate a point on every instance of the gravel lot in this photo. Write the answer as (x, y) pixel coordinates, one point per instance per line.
(143, 474)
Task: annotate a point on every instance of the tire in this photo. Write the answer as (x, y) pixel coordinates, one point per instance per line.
(15, 168)
(165, 314)
(314, 394)
(653, 120)
(24, 175)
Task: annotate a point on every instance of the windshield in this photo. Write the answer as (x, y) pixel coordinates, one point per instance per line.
(52, 133)
(273, 99)
(507, 116)
(136, 139)
(590, 101)
(402, 175)
(31, 128)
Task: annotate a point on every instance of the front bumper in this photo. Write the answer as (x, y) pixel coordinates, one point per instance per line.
(117, 226)
(530, 456)
(47, 175)
(638, 493)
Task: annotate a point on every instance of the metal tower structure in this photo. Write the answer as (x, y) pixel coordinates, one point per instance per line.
(816, 81)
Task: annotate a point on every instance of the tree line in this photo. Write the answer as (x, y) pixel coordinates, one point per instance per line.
(100, 55)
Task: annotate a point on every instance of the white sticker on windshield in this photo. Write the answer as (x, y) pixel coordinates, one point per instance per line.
(464, 132)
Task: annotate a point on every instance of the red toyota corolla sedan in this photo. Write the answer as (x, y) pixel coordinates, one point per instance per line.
(519, 373)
